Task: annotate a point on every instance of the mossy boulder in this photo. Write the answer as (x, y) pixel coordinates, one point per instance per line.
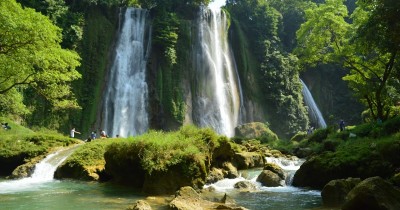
(256, 130)
(363, 158)
(270, 179)
(373, 193)
(86, 163)
(334, 193)
(246, 160)
(276, 169)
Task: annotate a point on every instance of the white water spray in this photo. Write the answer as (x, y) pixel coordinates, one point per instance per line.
(126, 97)
(44, 172)
(289, 166)
(313, 108)
(217, 99)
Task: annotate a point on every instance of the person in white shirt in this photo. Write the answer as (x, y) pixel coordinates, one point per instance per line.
(72, 133)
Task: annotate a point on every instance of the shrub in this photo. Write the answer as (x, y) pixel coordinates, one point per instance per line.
(319, 135)
(392, 125)
(363, 130)
(299, 136)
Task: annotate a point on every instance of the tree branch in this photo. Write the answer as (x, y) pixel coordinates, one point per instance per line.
(24, 82)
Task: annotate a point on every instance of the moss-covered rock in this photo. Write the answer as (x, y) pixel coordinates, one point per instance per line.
(276, 169)
(86, 163)
(256, 130)
(270, 179)
(246, 160)
(334, 193)
(359, 158)
(373, 193)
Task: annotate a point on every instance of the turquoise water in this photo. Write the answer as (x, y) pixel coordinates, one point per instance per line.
(68, 194)
(62, 195)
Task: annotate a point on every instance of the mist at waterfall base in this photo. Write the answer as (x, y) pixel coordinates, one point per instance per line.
(70, 194)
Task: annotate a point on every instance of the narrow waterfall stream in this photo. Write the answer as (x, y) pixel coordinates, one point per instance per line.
(217, 95)
(126, 97)
(44, 172)
(313, 110)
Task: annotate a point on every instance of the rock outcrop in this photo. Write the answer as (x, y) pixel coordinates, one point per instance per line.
(246, 160)
(270, 179)
(245, 186)
(255, 130)
(335, 192)
(373, 193)
(140, 205)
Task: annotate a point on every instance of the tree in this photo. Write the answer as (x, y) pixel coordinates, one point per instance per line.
(31, 56)
(362, 46)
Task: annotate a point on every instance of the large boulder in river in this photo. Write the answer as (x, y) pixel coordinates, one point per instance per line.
(335, 192)
(373, 193)
(245, 185)
(276, 169)
(256, 130)
(270, 179)
(246, 160)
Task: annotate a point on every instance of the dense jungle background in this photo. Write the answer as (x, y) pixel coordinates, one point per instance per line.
(55, 58)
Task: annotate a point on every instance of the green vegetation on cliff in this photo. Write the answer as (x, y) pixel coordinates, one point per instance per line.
(276, 71)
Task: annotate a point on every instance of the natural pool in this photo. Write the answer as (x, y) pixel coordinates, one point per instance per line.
(68, 194)
(42, 192)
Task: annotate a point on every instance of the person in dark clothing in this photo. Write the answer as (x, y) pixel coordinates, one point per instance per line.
(342, 126)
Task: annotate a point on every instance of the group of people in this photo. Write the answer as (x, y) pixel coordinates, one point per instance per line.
(93, 134)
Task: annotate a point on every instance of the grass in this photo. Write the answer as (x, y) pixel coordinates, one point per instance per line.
(158, 151)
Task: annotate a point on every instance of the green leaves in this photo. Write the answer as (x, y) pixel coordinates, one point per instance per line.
(31, 55)
(322, 37)
(366, 46)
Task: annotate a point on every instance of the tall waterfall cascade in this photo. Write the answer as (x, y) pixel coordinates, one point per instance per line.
(43, 172)
(217, 98)
(313, 109)
(126, 97)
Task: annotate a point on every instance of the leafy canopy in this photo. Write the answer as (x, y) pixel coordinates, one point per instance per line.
(31, 56)
(366, 46)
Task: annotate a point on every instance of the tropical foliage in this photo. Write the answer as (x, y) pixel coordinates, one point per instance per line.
(366, 45)
(31, 57)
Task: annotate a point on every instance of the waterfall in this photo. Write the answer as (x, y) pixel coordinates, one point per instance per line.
(217, 93)
(126, 96)
(44, 172)
(313, 110)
